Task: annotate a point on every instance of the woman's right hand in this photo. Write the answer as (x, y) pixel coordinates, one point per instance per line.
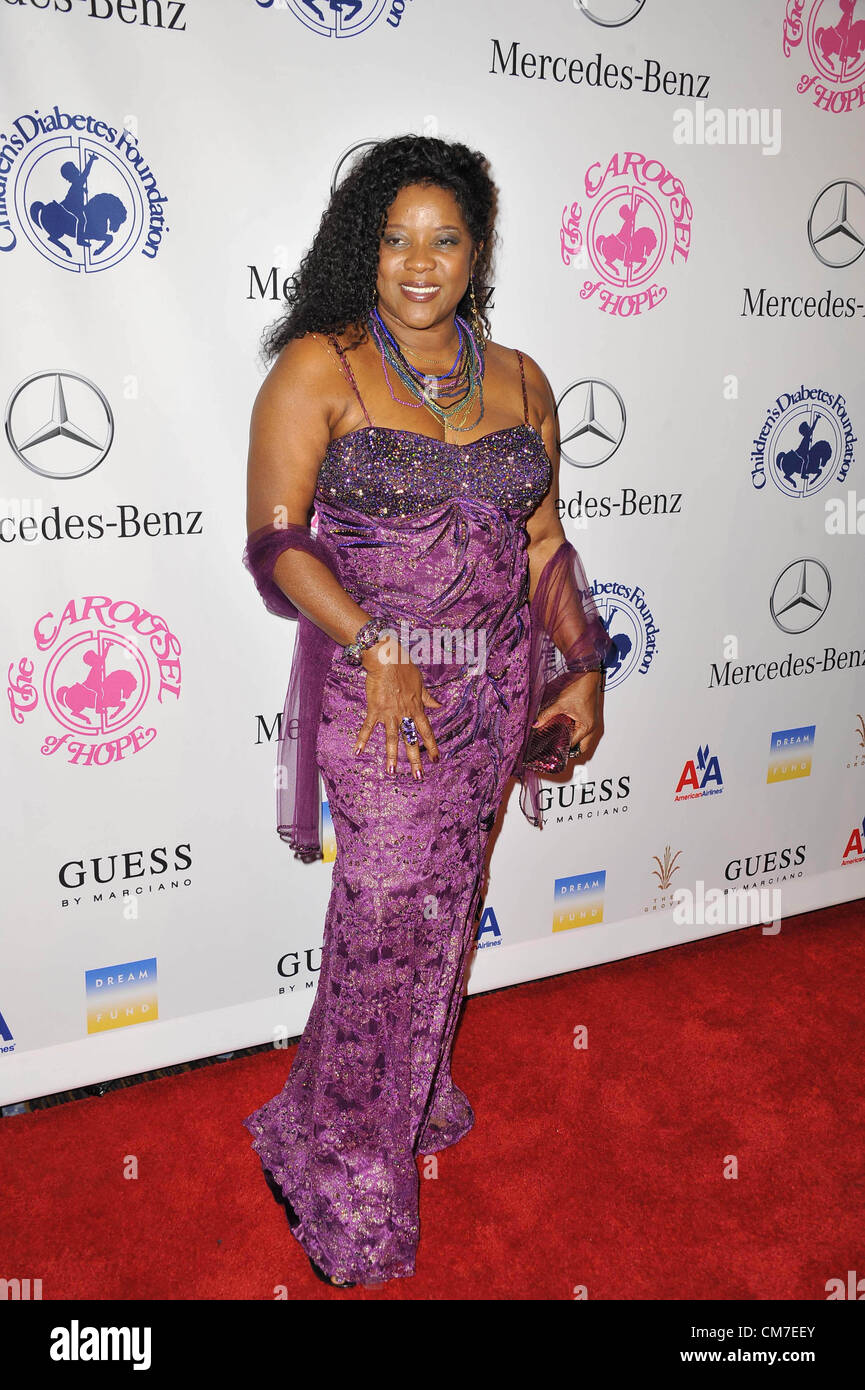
(394, 689)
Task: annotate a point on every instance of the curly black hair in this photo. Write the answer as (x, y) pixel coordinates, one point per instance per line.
(334, 286)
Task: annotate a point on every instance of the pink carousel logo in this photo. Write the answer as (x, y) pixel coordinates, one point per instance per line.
(638, 218)
(104, 661)
(834, 37)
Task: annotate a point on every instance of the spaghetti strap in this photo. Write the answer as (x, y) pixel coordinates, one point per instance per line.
(523, 384)
(349, 374)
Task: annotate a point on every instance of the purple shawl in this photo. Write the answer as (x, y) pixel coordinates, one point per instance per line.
(567, 639)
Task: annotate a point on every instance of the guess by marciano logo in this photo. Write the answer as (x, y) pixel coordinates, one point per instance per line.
(102, 665)
(637, 218)
(828, 39)
(79, 190)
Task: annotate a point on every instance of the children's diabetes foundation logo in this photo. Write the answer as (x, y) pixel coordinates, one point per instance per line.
(827, 38)
(102, 666)
(340, 19)
(637, 219)
(79, 190)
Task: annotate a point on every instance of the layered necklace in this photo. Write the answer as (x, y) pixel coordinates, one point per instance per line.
(452, 396)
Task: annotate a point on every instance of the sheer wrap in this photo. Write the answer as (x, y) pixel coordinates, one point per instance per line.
(567, 638)
(298, 798)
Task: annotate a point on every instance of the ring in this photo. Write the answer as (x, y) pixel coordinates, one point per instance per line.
(407, 729)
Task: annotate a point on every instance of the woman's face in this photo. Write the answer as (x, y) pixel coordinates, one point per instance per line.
(425, 260)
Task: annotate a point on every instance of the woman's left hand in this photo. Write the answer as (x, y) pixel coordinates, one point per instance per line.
(583, 701)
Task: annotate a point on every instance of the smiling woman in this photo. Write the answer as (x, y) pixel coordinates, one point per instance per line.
(384, 353)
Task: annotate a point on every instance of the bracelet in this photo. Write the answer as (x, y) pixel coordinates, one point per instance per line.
(598, 667)
(367, 636)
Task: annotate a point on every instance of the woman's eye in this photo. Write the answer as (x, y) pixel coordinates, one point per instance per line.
(393, 240)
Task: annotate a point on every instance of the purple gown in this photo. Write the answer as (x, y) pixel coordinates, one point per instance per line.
(431, 533)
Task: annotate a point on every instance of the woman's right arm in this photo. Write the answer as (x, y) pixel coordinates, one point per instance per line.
(289, 432)
(299, 405)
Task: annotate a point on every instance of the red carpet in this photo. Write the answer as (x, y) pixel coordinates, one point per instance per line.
(601, 1167)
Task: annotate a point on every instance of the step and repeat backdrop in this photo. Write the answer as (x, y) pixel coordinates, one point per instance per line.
(682, 231)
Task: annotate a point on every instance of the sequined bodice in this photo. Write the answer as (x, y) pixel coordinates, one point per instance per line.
(391, 473)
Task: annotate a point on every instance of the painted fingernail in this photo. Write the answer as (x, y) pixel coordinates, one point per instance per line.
(418, 774)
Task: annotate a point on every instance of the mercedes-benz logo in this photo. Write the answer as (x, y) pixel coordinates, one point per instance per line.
(837, 214)
(800, 596)
(592, 421)
(611, 13)
(59, 424)
(348, 157)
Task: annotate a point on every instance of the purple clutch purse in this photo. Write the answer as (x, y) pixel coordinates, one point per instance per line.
(548, 749)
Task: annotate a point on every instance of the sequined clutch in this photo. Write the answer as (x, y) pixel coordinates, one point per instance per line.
(548, 748)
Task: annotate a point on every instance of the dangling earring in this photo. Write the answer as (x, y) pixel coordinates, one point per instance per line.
(477, 326)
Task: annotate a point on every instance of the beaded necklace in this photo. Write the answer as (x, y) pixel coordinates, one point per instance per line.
(463, 379)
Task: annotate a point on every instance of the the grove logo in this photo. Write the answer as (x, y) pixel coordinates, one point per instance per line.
(831, 40)
(79, 191)
(105, 664)
(662, 896)
(806, 441)
(638, 217)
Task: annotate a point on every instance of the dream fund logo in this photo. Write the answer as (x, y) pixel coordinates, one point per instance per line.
(790, 754)
(579, 900)
(101, 666)
(637, 219)
(701, 776)
(827, 40)
(328, 835)
(119, 995)
(80, 191)
(627, 617)
(806, 441)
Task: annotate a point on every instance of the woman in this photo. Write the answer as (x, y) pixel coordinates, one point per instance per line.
(429, 457)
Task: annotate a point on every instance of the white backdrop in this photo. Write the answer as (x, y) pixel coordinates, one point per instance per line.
(151, 912)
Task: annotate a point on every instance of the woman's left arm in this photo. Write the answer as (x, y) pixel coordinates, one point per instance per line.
(582, 699)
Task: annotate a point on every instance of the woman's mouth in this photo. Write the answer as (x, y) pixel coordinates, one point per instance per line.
(420, 293)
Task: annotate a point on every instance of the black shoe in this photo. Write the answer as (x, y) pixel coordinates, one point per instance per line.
(280, 1198)
(294, 1220)
(325, 1279)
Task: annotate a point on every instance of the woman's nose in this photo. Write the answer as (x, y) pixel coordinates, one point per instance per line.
(419, 260)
